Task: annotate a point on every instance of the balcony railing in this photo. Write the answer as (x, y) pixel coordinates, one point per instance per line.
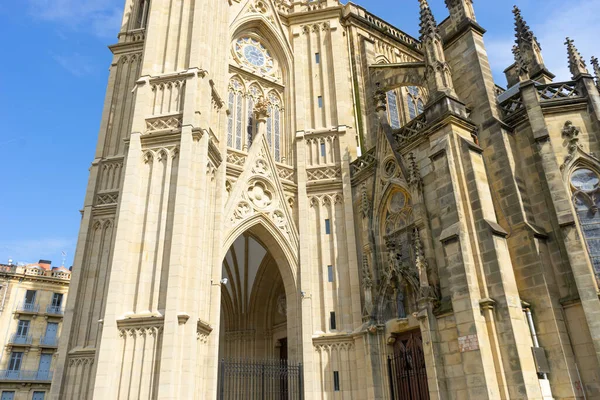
(29, 308)
(49, 341)
(20, 339)
(9, 375)
(55, 310)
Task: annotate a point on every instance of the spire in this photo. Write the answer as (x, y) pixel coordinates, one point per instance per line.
(576, 63)
(530, 50)
(523, 31)
(596, 67)
(428, 25)
(437, 75)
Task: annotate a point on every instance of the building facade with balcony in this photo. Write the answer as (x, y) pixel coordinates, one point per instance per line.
(32, 299)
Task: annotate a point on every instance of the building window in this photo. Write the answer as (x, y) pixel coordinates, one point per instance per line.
(142, 14)
(318, 58)
(585, 185)
(416, 105)
(22, 332)
(320, 101)
(336, 381)
(242, 125)
(332, 322)
(8, 396)
(323, 150)
(30, 296)
(57, 299)
(274, 125)
(234, 126)
(14, 364)
(393, 110)
(330, 273)
(328, 227)
(38, 396)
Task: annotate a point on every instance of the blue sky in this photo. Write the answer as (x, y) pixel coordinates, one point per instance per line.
(54, 73)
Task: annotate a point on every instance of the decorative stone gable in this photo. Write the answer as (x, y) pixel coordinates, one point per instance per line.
(259, 192)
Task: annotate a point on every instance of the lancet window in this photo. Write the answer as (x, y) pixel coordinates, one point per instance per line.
(585, 185)
(415, 102)
(143, 8)
(242, 126)
(393, 109)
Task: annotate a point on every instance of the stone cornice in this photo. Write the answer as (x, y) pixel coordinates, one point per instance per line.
(141, 322)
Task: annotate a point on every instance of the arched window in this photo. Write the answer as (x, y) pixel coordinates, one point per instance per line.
(393, 109)
(142, 14)
(236, 114)
(416, 105)
(253, 97)
(585, 185)
(274, 125)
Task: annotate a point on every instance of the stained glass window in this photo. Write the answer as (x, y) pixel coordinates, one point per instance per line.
(393, 110)
(238, 122)
(230, 119)
(254, 54)
(250, 124)
(415, 102)
(274, 124)
(270, 126)
(234, 123)
(585, 184)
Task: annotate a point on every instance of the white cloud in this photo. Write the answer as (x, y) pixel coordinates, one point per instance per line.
(31, 250)
(552, 24)
(98, 17)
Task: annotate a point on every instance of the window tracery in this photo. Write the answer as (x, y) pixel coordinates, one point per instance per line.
(241, 118)
(393, 109)
(253, 54)
(415, 100)
(585, 185)
(142, 14)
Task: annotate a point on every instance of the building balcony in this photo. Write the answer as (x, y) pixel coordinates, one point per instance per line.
(20, 340)
(31, 376)
(55, 311)
(48, 341)
(28, 308)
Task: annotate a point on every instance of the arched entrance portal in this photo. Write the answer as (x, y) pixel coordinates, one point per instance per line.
(259, 340)
(253, 304)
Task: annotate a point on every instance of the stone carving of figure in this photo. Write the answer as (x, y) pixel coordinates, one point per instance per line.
(401, 311)
(282, 304)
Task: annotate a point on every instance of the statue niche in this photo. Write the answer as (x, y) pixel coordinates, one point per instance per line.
(404, 276)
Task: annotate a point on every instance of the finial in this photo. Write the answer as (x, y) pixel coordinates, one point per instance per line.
(596, 67)
(428, 25)
(576, 63)
(437, 75)
(261, 108)
(523, 31)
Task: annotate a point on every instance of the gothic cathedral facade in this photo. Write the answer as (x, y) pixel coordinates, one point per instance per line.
(295, 199)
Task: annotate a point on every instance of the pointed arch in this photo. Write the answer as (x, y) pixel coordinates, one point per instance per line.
(262, 227)
(276, 40)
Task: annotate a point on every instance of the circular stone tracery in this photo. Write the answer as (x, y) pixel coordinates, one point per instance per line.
(260, 194)
(254, 54)
(585, 180)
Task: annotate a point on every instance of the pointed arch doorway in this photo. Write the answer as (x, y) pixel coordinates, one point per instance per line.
(258, 342)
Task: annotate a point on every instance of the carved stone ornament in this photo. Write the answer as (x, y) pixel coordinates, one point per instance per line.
(571, 134)
(260, 194)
